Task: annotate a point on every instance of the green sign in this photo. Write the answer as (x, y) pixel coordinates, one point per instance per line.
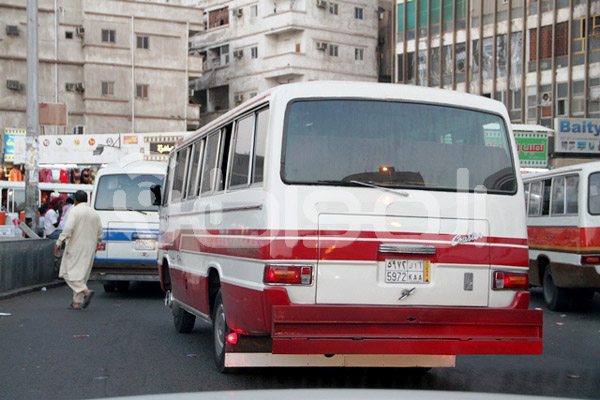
(533, 148)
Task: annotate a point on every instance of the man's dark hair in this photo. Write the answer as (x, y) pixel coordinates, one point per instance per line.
(80, 196)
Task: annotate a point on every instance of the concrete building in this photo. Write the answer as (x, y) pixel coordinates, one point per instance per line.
(118, 65)
(251, 46)
(540, 57)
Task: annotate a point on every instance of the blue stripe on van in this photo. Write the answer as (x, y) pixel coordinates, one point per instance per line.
(126, 235)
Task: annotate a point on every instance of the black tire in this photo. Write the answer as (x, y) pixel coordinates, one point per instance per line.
(557, 299)
(109, 287)
(220, 331)
(183, 320)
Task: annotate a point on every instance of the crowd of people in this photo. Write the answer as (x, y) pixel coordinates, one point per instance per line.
(53, 215)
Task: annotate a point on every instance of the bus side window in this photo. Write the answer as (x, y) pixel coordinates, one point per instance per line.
(558, 195)
(179, 175)
(572, 191)
(594, 194)
(535, 199)
(240, 162)
(546, 197)
(260, 141)
(168, 179)
(210, 162)
(226, 134)
(194, 163)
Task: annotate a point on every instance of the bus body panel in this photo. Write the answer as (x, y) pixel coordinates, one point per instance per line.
(237, 234)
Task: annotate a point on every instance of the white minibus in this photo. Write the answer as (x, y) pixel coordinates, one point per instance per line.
(350, 224)
(563, 222)
(122, 197)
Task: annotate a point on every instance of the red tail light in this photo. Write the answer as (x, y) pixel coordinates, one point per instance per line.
(102, 246)
(595, 259)
(510, 280)
(288, 275)
(232, 338)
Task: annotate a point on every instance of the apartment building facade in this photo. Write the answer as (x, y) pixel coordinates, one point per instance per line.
(540, 57)
(250, 46)
(118, 65)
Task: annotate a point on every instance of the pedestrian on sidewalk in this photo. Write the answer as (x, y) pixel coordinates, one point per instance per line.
(82, 235)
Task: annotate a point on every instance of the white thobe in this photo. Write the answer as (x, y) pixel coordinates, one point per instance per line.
(82, 234)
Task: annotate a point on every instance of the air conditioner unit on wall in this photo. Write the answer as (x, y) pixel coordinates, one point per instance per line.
(238, 53)
(80, 31)
(14, 85)
(12, 30)
(321, 46)
(321, 4)
(546, 99)
(238, 12)
(238, 98)
(80, 87)
(79, 130)
(70, 87)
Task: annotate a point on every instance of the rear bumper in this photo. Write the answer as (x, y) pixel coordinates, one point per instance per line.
(124, 270)
(324, 329)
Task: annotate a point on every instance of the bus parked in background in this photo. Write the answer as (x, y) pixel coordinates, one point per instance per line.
(130, 222)
(12, 195)
(350, 224)
(563, 220)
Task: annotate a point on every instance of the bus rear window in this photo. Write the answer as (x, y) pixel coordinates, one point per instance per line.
(396, 144)
(126, 192)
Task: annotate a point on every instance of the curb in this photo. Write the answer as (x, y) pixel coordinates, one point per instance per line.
(32, 288)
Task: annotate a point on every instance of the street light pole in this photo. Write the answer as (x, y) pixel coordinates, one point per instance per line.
(33, 118)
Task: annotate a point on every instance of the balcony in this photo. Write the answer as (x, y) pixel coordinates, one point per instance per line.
(195, 63)
(286, 67)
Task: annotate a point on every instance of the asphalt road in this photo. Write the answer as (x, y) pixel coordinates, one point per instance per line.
(125, 344)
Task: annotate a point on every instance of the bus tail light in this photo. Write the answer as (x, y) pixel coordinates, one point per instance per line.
(232, 338)
(591, 259)
(510, 280)
(102, 246)
(288, 274)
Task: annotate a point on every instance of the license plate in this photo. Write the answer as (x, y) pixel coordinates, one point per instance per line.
(144, 244)
(406, 271)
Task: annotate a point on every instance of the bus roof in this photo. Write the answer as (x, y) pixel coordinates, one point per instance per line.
(357, 90)
(585, 167)
(134, 167)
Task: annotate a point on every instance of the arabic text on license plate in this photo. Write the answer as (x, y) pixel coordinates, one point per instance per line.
(144, 244)
(406, 271)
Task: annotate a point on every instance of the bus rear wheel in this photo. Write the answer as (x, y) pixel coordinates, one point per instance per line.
(557, 299)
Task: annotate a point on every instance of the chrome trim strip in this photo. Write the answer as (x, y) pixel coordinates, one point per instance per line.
(406, 249)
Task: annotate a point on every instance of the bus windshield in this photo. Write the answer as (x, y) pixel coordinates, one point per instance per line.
(126, 192)
(396, 144)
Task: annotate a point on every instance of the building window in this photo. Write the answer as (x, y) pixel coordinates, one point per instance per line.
(109, 36)
(143, 42)
(254, 11)
(359, 54)
(333, 8)
(218, 18)
(68, 35)
(108, 88)
(333, 50)
(141, 91)
(254, 52)
(358, 13)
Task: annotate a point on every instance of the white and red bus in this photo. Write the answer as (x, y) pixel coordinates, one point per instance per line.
(350, 224)
(563, 219)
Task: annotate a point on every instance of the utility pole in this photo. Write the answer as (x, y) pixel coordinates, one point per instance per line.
(33, 118)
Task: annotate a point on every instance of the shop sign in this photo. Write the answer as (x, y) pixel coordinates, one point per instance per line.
(533, 148)
(9, 142)
(577, 135)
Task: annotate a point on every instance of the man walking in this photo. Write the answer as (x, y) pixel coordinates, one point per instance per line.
(82, 234)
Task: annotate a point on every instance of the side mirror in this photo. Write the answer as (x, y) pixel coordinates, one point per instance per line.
(156, 197)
